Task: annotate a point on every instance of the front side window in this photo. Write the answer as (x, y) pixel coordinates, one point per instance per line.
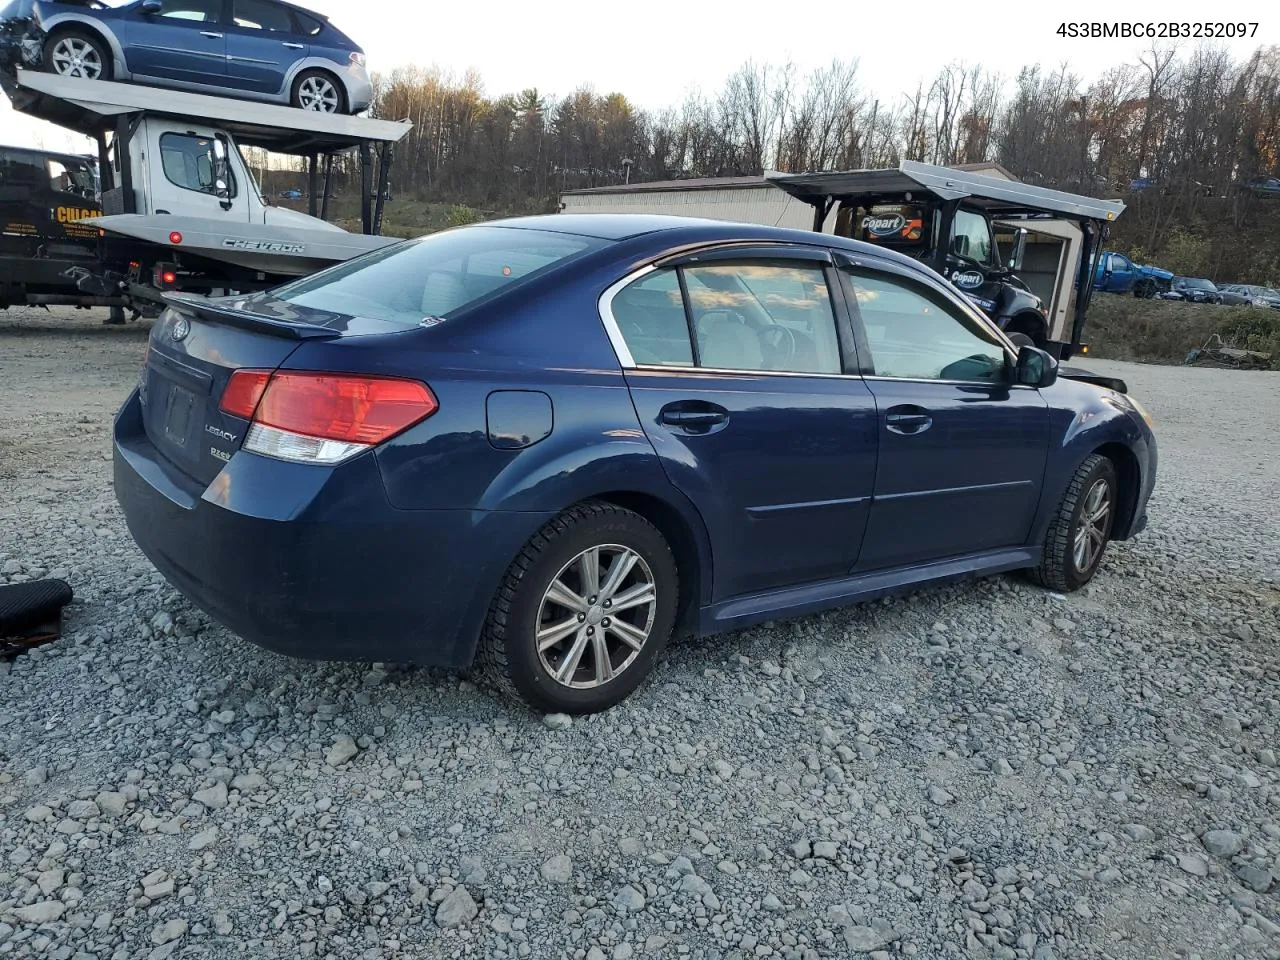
(971, 237)
(915, 334)
(197, 11)
(74, 178)
(192, 162)
(751, 315)
(261, 15)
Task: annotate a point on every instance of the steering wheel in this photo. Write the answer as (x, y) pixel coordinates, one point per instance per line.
(779, 340)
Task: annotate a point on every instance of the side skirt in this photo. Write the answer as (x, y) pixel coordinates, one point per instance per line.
(739, 612)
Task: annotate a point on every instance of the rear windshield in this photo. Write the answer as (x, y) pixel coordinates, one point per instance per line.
(1196, 283)
(436, 276)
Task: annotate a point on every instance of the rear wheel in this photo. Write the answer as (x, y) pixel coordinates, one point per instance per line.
(583, 612)
(1081, 529)
(319, 91)
(76, 53)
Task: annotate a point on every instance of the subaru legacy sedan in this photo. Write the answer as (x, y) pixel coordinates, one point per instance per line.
(545, 444)
(252, 49)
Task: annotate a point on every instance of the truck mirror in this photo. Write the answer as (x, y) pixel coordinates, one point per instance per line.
(1019, 248)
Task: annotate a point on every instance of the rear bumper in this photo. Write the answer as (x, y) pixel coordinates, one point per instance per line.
(312, 561)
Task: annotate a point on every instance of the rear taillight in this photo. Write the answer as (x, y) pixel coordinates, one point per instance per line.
(323, 417)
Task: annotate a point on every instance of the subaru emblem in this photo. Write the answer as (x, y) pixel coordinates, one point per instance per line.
(181, 327)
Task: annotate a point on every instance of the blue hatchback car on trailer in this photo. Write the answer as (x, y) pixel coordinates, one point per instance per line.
(254, 49)
(547, 443)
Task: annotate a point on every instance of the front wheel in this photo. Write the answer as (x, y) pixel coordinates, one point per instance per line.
(1144, 289)
(1081, 529)
(319, 91)
(75, 53)
(583, 612)
(1021, 339)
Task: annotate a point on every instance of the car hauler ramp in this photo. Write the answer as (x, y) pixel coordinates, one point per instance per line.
(98, 108)
(1001, 199)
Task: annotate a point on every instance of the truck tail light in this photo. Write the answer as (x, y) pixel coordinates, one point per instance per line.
(323, 417)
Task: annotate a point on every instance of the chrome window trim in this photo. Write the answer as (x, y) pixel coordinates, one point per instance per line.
(628, 362)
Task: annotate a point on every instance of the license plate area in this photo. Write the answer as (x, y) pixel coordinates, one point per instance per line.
(178, 418)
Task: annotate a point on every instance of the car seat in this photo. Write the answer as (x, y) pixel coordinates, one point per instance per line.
(725, 340)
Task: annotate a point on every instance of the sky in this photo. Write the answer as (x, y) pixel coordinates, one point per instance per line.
(657, 54)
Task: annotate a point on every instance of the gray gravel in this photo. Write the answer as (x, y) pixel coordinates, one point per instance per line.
(979, 770)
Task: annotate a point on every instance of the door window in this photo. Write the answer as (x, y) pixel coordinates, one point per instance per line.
(194, 162)
(261, 15)
(71, 178)
(17, 169)
(971, 237)
(915, 334)
(199, 11)
(754, 315)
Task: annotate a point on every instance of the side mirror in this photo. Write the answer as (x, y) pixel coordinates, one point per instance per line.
(1019, 248)
(150, 7)
(960, 245)
(1035, 368)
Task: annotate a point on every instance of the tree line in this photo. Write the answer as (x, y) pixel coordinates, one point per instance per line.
(1179, 137)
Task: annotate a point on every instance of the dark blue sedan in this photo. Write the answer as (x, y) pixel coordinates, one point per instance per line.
(255, 49)
(546, 443)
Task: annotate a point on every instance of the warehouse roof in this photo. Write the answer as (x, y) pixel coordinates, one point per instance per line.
(693, 183)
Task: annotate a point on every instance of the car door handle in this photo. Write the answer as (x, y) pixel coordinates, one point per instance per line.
(293, 46)
(210, 34)
(907, 420)
(693, 417)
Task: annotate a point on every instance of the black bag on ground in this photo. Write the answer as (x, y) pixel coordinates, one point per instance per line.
(32, 611)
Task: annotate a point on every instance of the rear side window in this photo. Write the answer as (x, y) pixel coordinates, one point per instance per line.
(18, 169)
(436, 276)
(305, 25)
(261, 15)
(750, 315)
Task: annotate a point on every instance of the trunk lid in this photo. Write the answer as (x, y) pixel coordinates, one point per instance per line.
(194, 348)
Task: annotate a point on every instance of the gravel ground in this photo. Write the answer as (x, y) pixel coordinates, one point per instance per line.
(981, 770)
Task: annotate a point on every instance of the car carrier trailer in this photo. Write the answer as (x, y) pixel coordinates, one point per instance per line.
(945, 218)
(181, 210)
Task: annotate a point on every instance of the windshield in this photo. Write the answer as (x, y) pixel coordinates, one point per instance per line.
(437, 275)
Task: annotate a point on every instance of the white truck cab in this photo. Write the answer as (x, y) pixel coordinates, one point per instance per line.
(185, 169)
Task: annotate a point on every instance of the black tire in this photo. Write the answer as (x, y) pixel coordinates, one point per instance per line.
(1144, 289)
(296, 95)
(1019, 339)
(508, 654)
(94, 43)
(1058, 568)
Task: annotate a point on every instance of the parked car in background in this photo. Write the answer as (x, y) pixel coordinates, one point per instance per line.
(1116, 273)
(545, 444)
(291, 194)
(1267, 186)
(255, 49)
(1192, 290)
(1250, 294)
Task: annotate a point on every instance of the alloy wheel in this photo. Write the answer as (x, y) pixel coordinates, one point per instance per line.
(1093, 526)
(319, 94)
(596, 616)
(74, 57)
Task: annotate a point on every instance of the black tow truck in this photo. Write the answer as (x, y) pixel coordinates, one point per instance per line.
(947, 218)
